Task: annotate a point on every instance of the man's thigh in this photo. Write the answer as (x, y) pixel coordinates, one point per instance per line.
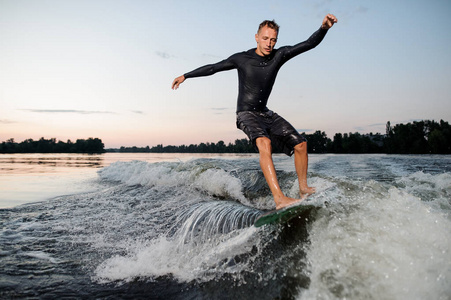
(253, 124)
(284, 136)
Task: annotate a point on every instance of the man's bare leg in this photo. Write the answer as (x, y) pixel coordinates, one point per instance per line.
(267, 166)
(301, 165)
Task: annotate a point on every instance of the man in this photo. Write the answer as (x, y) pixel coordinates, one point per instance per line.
(257, 71)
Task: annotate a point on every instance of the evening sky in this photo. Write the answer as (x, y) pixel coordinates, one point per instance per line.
(104, 68)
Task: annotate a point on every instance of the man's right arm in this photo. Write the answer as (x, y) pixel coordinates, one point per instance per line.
(207, 70)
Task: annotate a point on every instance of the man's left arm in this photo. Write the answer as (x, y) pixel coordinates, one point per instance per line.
(314, 40)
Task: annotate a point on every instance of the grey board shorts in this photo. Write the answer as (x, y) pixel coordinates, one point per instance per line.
(269, 124)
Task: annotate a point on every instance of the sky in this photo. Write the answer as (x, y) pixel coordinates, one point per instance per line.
(74, 69)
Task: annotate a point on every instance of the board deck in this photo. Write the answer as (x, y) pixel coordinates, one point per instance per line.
(284, 214)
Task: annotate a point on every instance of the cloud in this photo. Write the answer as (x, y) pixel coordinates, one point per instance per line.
(164, 55)
(321, 4)
(361, 9)
(370, 127)
(219, 110)
(139, 112)
(325, 6)
(359, 128)
(5, 121)
(73, 111)
(346, 15)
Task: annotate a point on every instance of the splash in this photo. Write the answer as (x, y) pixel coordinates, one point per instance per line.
(381, 242)
(206, 236)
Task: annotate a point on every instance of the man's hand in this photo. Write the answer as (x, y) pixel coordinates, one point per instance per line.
(177, 82)
(329, 21)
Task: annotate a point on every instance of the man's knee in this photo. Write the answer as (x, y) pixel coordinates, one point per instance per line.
(301, 148)
(263, 144)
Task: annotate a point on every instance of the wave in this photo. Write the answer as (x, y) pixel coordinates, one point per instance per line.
(207, 228)
(199, 174)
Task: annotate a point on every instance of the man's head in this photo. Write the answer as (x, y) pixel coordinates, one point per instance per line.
(271, 24)
(266, 37)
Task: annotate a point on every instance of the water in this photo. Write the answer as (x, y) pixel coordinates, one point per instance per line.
(117, 226)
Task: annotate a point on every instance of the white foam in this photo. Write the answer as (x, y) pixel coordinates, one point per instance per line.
(440, 182)
(212, 181)
(380, 246)
(219, 182)
(185, 261)
(143, 173)
(321, 185)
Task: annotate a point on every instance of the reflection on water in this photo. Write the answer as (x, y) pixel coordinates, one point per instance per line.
(57, 163)
(17, 163)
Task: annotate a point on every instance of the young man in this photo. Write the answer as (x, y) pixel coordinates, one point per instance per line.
(257, 71)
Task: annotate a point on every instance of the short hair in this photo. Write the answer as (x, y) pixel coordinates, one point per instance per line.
(271, 24)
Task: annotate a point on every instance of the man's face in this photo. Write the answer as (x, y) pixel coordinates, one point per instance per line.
(266, 40)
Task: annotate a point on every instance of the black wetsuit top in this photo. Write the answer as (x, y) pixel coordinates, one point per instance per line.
(257, 74)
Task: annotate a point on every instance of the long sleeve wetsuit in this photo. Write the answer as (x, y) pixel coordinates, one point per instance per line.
(257, 74)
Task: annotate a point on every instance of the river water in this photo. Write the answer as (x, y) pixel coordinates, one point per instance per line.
(180, 226)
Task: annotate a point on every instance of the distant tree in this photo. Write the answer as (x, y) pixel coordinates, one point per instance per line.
(93, 145)
(317, 142)
(221, 147)
(45, 146)
(337, 144)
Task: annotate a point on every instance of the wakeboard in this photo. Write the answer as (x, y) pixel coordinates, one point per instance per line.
(284, 214)
(289, 212)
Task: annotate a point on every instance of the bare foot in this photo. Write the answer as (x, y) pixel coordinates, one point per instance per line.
(287, 201)
(305, 191)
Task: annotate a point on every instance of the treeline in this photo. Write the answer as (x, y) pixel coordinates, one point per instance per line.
(91, 145)
(422, 137)
(419, 137)
(240, 146)
(318, 142)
